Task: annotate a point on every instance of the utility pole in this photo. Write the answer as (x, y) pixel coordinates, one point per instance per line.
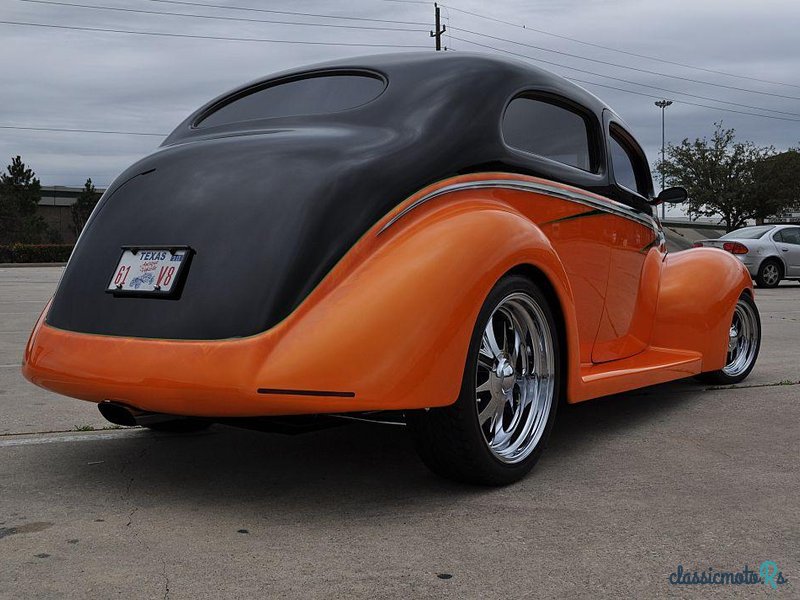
(440, 29)
(663, 104)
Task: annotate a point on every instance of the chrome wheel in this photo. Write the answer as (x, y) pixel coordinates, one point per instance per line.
(743, 339)
(771, 274)
(514, 380)
(496, 430)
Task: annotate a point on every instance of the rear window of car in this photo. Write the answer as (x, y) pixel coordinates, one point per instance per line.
(548, 130)
(748, 233)
(309, 95)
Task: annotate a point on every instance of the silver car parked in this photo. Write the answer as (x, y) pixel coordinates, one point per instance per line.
(770, 252)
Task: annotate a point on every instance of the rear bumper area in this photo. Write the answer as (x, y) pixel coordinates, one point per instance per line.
(751, 263)
(201, 379)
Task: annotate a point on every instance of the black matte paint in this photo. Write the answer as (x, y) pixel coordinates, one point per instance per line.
(269, 206)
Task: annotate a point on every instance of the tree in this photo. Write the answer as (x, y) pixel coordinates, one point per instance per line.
(777, 184)
(84, 205)
(20, 192)
(720, 177)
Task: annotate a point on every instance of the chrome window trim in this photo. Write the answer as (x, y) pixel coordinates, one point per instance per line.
(606, 205)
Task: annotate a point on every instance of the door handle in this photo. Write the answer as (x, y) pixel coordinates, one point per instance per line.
(784, 249)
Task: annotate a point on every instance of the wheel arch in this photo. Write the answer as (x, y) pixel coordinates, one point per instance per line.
(776, 258)
(686, 320)
(539, 278)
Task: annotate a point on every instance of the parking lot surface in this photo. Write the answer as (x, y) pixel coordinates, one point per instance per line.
(630, 487)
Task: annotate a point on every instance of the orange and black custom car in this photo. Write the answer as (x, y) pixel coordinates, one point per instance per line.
(450, 240)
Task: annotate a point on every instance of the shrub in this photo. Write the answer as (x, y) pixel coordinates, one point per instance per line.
(35, 253)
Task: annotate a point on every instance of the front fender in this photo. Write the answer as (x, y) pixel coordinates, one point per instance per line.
(395, 329)
(699, 290)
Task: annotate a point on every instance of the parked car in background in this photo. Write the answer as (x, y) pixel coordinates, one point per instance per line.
(770, 252)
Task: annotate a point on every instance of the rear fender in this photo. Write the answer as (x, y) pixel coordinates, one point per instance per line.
(395, 327)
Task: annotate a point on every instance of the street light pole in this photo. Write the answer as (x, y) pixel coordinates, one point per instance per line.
(662, 104)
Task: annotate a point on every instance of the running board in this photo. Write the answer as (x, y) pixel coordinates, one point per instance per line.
(650, 367)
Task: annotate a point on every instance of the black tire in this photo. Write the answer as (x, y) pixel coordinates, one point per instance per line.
(179, 426)
(450, 439)
(722, 377)
(764, 278)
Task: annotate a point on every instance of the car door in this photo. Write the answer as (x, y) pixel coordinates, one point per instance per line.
(548, 131)
(637, 253)
(788, 242)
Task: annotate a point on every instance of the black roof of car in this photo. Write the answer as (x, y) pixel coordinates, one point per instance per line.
(438, 103)
(454, 83)
(272, 204)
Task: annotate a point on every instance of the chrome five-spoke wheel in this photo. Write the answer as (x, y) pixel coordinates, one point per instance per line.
(496, 430)
(743, 339)
(514, 378)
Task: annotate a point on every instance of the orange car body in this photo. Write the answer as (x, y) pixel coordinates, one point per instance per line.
(388, 327)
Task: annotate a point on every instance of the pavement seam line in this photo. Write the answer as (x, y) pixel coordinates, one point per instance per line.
(747, 387)
(86, 437)
(101, 430)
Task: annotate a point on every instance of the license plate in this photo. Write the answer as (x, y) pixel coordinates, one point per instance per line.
(149, 271)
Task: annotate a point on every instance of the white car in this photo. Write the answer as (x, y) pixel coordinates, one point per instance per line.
(770, 252)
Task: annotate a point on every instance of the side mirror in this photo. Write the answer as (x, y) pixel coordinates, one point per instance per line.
(673, 195)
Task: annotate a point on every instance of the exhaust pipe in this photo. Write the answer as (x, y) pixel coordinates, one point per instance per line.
(127, 416)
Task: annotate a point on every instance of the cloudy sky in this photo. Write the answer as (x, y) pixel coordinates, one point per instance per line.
(56, 77)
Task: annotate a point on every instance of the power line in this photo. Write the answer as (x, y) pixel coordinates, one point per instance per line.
(720, 108)
(612, 64)
(64, 130)
(286, 12)
(653, 87)
(211, 37)
(626, 52)
(217, 18)
(628, 81)
(467, 12)
(741, 112)
(120, 9)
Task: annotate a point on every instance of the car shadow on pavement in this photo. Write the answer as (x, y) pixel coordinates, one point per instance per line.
(358, 467)
(581, 425)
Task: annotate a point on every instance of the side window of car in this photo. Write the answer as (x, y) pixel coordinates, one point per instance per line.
(549, 130)
(790, 235)
(628, 172)
(623, 167)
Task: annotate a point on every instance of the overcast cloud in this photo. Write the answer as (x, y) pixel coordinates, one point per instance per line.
(110, 81)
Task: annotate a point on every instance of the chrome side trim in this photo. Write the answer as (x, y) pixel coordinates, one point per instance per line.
(606, 205)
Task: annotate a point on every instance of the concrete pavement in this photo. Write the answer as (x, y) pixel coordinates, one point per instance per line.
(630, 487)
